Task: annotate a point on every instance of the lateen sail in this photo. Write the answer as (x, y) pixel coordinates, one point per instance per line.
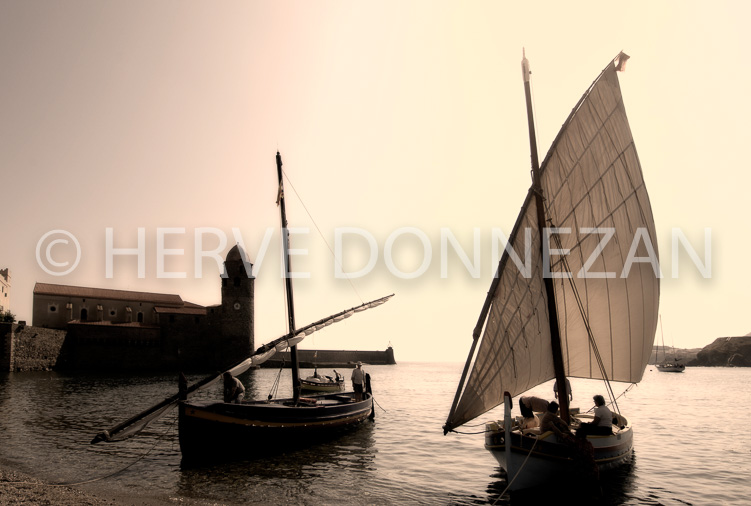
(591, 179)
(136, 424)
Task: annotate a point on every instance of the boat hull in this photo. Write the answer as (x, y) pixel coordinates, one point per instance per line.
(536, 460)
(321, 386)
(671, 367)
(217, 430)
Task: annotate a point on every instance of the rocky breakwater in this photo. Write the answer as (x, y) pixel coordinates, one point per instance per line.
(725, 352)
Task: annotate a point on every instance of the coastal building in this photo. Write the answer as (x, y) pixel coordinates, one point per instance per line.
(119, 329)
(4, 290)
(57, 305)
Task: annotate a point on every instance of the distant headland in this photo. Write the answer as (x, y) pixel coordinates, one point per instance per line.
(733, 351)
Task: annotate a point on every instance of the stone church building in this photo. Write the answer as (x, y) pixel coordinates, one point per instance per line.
(124, 330)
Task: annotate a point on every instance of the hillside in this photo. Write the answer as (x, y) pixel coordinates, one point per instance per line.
(725, 351)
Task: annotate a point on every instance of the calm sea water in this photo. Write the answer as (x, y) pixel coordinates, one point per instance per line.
(690, 447)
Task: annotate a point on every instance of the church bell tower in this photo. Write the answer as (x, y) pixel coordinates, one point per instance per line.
(237, 306)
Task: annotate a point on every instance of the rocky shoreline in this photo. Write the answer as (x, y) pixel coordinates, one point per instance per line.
(18, 488)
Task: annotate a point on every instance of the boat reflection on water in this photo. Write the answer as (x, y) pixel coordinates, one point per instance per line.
(613, 486)
(310, 471)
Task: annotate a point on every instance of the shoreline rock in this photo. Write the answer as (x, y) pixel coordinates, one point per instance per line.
(725, 352)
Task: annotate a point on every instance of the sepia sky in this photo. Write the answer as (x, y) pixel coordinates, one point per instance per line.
(402, 120)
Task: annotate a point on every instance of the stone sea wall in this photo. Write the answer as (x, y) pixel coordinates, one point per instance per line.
(27, 348)
(333, 358)
(139, 348)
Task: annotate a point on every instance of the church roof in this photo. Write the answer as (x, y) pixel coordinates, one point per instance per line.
(188, 308)
(163, 299)
(237, 254)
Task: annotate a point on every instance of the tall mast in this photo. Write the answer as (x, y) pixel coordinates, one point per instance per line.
(288, 282)
(555, 336)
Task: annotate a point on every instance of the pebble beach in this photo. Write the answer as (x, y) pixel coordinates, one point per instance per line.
(20, 488)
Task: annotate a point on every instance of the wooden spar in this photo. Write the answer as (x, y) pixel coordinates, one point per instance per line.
(288, 283)
(555, 337)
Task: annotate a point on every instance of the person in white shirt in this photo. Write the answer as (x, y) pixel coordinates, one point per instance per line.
(602, 425)
(358, 381)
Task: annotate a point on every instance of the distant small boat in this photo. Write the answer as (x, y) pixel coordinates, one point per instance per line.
(318, 383)
(667, 365)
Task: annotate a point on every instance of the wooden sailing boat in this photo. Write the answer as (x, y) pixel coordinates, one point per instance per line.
(210, 430)
(322, 383)
(582, 307)
(666, 365)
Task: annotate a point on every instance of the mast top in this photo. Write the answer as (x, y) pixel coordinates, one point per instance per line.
(525, 66)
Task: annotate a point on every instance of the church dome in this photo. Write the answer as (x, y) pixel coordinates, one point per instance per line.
(236, 254)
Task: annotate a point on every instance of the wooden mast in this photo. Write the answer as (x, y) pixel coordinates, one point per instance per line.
(555, 337)
(288, 283)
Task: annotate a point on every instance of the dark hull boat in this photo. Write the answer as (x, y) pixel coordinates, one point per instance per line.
(211, 430)
(218, 430)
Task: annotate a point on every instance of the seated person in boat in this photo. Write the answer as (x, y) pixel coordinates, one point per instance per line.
(551, 422)
(602, 425)
(234, 391)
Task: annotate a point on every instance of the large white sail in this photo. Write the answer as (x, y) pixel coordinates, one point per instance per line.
(594, 195)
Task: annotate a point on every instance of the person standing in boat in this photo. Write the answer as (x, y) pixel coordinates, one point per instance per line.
(234, 391)
(358, 381)
(602, 425)
(568, 390)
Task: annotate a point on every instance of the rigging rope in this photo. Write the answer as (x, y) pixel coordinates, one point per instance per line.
(321, 234)
(518, 472)
(374, 400)
(275, 387)
(590, 334)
